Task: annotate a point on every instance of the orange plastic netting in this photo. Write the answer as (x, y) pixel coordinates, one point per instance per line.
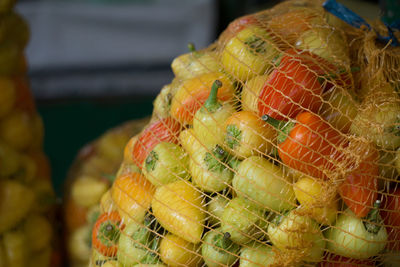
(275, 146)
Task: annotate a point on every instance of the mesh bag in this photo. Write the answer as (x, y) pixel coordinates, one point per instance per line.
(275, 146)
(27, 200)
(89, 177)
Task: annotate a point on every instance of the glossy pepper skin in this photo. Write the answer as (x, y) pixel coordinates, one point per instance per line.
(291, 88)
(359, 189)
(309, 145)
(163, 130)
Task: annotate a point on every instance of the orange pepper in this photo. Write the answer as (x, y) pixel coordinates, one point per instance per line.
(192, 94)
(132, 193)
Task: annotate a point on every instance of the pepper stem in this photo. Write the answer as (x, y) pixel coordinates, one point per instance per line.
(372, 219)
(191, 47)
(212, 103)
(283, 127)
(223, 241)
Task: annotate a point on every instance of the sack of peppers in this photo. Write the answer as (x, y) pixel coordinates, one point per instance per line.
(26, 196)
(92, 174)
(278, 145)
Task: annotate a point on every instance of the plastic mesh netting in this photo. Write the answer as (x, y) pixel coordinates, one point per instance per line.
(89, 177)
(275, 146)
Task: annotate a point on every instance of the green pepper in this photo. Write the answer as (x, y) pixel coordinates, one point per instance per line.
(358, 238)
(292, 232)
(218, 249)
(256, 255)
(166, 163)
(137, 244)
(16, 249)
(209, 120)
(243, 221)
(264, 184)
(215, 209)
(210, 170)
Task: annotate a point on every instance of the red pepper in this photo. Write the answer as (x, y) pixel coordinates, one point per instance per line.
(360, 188)
(105, 234)
(340, 261)
(391, 216)
(293, 87)
(164, 130)
(311, 146)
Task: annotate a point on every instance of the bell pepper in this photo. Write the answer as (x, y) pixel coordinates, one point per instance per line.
(215, 209)
(166, 163)
(138, 244)
(379, 121)
(243, 221)
(179, 207)
(291, 88)
(79, 244)
(132, 195)
(16, 248)
(192, 94)
(16, 129)
(218, 249)
(163, 130)
(38, 232)
(307, 145)
(15, 203)
(312, 147)
(162, 103)
(106, 232)
(176, 251)
(263, 184)
(252, 51)
(87, 190)
(359, 190)
(257, 254)
(358, 238)
(290, 25)
(210, 170)
(314, 199)
(209, 119)
(195, 63)
(247, 135)
(391, 216)
(291, 232)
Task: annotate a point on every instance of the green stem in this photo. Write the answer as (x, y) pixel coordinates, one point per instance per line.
(108, 233)
(283, 127)
(372, 222)
(191, 47)
(223, 241)
(212, 103)
(234, 163)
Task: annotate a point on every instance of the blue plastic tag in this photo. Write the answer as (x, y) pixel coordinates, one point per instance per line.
(355, 20)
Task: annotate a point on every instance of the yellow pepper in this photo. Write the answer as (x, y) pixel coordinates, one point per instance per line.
(176, 251)
(309, 192)
(15, 203)
(7, 95)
